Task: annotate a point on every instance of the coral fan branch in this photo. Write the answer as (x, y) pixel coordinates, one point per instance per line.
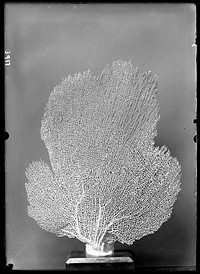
(98, 222)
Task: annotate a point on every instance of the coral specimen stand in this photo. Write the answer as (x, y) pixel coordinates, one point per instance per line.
(119, 260)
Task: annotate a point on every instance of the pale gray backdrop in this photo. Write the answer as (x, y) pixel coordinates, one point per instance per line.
(50, 41)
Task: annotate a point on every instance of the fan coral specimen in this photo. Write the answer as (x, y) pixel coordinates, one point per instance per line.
(107, 181)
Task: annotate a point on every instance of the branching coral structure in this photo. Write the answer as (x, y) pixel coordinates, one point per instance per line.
(107, 181)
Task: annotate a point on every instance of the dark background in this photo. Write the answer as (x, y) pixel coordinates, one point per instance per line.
(50, 41)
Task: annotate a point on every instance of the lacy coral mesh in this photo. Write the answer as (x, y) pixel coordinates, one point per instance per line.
(108, 182)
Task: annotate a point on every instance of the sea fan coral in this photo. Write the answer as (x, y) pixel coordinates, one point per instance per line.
(108, 181)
